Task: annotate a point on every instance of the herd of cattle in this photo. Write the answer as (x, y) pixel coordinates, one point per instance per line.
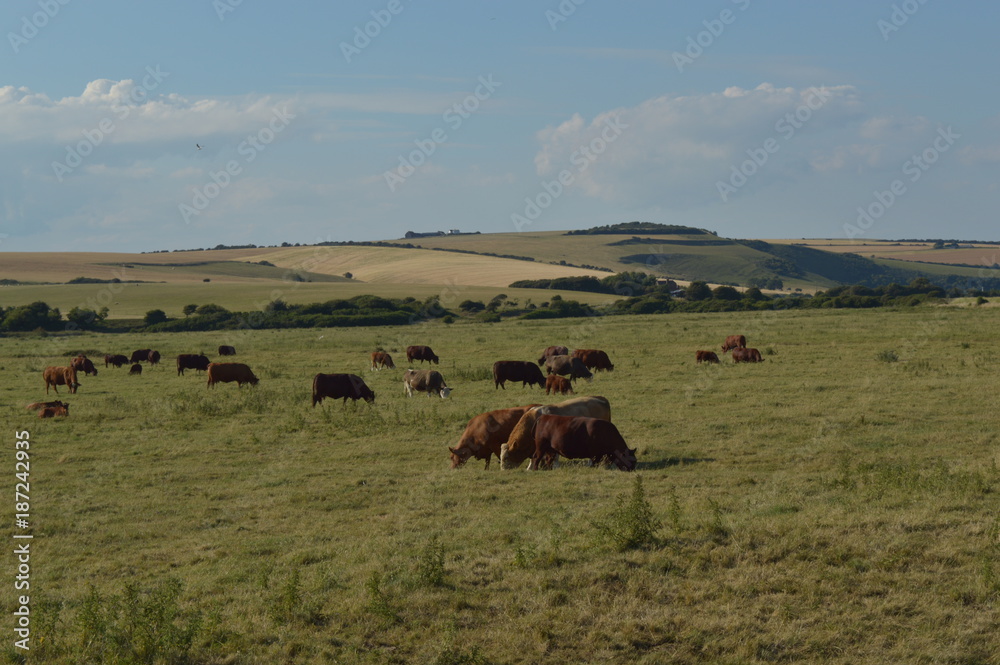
(578, 428)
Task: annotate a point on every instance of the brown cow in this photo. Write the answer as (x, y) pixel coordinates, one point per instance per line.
(734, 342)
(567, 365)
(484, 435)
(60, 376)
(594, 359)
(706, 356)
(193, 361)
(336, 386)
(229, 372)
(116, 360)
(421, 353)
(139, 355)
(52, 411)
(83, 364)
(382, 360)
(747, 356)
(425, 380)
(557, 384)
(154, 357)
(576, 437)
(553, 351)
(521, 443)
(516, 370)
(226, 350)
(135, 369)
(35, 406)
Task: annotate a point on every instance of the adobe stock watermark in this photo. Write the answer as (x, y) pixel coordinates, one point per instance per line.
(453, 117)
(76, 153)
(714, 28)
(249, 148)
(565, 9)
(899, 17)
(223, 7)
(913, 168)
(785, 128)
(30, 26)
(363, 35)
(581, 158)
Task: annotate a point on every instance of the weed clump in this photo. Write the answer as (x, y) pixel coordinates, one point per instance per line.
(632, 524)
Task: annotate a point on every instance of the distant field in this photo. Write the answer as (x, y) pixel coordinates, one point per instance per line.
(834, 504)
(972, 255)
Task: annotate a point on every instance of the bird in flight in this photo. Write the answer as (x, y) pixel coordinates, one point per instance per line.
(197, 146)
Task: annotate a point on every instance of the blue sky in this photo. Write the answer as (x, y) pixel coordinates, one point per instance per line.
(752, 119)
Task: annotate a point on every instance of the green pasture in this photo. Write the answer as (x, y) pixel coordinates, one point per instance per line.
(131, 301)
(837, 503)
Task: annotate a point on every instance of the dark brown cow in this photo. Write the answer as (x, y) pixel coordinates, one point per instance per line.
(747, 356)
(425, 380)
(517, 370)
(336, 386)
(421, 353)
(83, 364)
(382, 360)
(35, 406)
(558, 384)
(154, 357)
(484, 435)
(229, 372)
(193, 361)
(135, 369)
(117, 360)
(553, 351)
(520, 444)
(226, 350)
(734, 342)
(139, 355)
(594, 359)
(576, 437)
(52, 411)
(60, 376)
(567, 365)
(706, 357)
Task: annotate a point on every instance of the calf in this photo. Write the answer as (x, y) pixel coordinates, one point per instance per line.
(706, 357)
(558, 384)
(425, 380)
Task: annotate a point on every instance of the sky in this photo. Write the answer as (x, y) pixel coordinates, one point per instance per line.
(143, 126)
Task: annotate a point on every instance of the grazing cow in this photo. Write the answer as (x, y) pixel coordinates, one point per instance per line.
(521, 442)
(516, 370)
(425, 380)
(734, 342)
(191, 361)
(553, 351)
(226, 350)
(594, 359)
(229, 372)
(576, 437)
(35, 406)
(420, 353)
(484, 435)
(154, 357)
(60, 376)
(117, 360)
(83, 364)
(336, 386)
(705, 357)
(567, 365)
(747, 356)
(381, 360)
(52, 411)
(139, 355)
(135, 369)
(557, 384)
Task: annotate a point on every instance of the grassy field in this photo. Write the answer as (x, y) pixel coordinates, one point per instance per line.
(836, 503)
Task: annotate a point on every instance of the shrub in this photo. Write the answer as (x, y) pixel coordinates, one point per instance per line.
(430, 565)
(887, 356)
(154, 316)
(632, 524)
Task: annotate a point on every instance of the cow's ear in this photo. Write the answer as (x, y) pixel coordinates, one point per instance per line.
(452, 450)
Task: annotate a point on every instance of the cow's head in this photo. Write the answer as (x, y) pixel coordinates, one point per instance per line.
(370, 397)
(253, 380)
(459, 456)
(444, 392)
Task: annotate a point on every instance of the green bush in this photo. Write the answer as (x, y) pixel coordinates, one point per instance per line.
(632, 524)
